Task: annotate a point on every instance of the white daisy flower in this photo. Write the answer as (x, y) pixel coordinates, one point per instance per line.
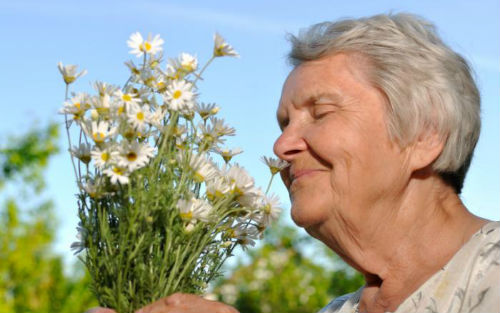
(203, 168)
(133, 68)
(117, 175)
(127, 98)
(171, 72)
(269, 209)
(275, 165)
(252, 198)
(222, 48)
(138, 117)
(134, 155)
(185, 63)
(220, 128)
(82, 152)
(69, 72)
(156, 118)
(155, 60)
(241, 182)
(103, 156)
(81, 235)
(245, 233)
(76, 106)
(209, 136)
(104, 88)
(179, 95)
(148, 78)
(194, 209)
(98, 131)
(140, 46)
(144, 94)
(102, 105)
(206, 110)
(227, 154)
(93, 187)
(217, 188)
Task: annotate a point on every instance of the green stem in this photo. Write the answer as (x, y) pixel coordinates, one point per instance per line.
(198, 76)
(269, 185)
(69, 138)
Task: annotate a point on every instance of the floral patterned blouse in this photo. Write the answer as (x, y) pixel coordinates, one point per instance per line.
(470, 282)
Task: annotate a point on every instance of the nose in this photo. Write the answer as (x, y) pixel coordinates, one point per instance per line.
(289, 144)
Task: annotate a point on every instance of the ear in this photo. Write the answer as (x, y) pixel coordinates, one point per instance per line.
(426, 149)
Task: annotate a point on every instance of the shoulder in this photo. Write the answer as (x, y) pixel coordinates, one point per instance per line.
(487, 245)
(478, 272)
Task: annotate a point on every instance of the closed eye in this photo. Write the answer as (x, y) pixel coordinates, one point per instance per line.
(321, 110)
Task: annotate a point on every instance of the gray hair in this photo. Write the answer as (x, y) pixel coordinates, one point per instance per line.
(427, 84)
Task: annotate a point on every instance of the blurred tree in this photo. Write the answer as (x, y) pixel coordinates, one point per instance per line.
(280, 278)
(32, 277)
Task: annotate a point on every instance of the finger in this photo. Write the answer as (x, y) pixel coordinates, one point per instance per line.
(170, 302)
(178, 298)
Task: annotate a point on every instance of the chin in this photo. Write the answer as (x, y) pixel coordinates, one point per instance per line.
(305, 217)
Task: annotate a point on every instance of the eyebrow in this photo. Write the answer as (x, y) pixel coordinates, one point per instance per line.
(329, 96)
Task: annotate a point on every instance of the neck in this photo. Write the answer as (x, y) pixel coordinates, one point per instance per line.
(392, 244)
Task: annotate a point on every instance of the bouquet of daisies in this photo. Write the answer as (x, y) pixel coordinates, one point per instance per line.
(157, 213)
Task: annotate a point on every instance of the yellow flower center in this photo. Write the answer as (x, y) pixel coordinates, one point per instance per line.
(102, 110)
(274, 170)
(85, 158)
(129, 134)
(140, 116)
(126, 97)
(69, 79)
(149, 82)
(117, 170)
(177, 94)
(77, 104)
(187, 215)
(146, 46)
(121, 110)
(131, 156)
(98, 136)
(105, 156)
(267, 209)
(218, 51)
(188, 66)
(198, 177)
(161, 86)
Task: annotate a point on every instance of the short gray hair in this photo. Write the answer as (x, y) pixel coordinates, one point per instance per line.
(426, 83)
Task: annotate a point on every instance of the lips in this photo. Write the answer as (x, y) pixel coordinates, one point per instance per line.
(297, 174)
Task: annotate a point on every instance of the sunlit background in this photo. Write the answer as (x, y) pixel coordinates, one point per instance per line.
(35, 35)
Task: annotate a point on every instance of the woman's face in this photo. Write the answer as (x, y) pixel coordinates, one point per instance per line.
(335, 137)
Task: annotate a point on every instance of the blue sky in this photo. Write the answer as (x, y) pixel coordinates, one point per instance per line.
(38, 34)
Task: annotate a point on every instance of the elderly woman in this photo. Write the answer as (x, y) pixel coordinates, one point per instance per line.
(380, 119)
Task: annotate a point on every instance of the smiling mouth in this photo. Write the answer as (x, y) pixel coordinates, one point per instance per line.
(298, 174)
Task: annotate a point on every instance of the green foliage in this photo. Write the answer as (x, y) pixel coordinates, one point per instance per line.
(32, 278)
(280, 278)
(26, 156)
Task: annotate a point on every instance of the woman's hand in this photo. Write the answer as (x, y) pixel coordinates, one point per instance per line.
(180, 303)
